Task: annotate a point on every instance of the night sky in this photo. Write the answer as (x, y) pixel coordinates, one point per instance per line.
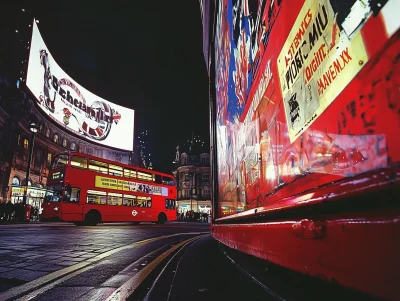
(145, 55)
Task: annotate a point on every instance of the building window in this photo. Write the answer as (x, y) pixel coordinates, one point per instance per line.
(64, 143)
(55, 138)
(206, 191)
(38, 157)
(206, 177)
(41, 128)
(49, 155)
(19, 140)
(26, 143)
(204, 161)
(47, 133)
(73, 146)
(15, 181)
(186, 193)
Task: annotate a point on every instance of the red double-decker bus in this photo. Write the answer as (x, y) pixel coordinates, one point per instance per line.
(88, 190)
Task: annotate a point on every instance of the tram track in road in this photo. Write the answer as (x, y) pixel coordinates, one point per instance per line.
(39, 288)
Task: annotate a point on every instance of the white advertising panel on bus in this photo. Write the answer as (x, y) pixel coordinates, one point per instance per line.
(73, 107)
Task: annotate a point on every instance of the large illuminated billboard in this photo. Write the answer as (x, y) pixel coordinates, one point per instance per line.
(73, 107)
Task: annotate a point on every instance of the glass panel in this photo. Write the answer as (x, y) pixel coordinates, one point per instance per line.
(96, 197)
(114, 199)
(158, 179)
(115, 170)
(53, 193)
(98, 166)
(60, 161)
(145, 176)
(72, 195)
(129, 200)
(79, 162)
(129, 173)
(143, 201)
(168, 181)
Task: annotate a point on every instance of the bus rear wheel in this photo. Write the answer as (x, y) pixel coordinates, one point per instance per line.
(162, 218)
(92, 218)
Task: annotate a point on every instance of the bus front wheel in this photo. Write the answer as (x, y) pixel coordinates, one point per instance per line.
(162, 218)
(92, 218)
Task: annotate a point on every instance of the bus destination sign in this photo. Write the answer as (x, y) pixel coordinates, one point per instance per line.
(58, 175)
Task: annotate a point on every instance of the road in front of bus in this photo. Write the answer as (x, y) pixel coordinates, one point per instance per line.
(100, 258)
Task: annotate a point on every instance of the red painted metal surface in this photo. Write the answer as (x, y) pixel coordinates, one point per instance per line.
(360, 251)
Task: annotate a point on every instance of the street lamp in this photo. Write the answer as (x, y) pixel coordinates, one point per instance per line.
(33, 128)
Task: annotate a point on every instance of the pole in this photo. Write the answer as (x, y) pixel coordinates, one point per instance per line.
(28, 168)
(191, 191)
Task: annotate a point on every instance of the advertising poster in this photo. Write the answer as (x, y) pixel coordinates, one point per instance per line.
(315, 64)
(73, 107)
(111, 183)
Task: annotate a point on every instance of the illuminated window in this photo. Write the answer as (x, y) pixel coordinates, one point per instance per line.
(26, 143)
(55, 138)
(143, 202)
(49, 155)
(47, 133)
(79, 162)
(145, 176)
(129, 173)
(96, 197)
(115, 170)
(129, 200)
(73, 146)
(98, 166)
(114, 199)
(64, 143)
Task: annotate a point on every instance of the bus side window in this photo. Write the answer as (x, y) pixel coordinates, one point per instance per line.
(72, 195)
(129, 173)
(129, 200)
(168, 181)
(145, 176)
(115, 170)
(98, 166)
(114, 199)
(158, 179)
(96, 197)
(79, 162)
(149, 203)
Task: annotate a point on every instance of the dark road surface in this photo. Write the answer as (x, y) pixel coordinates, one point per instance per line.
(178, 261)
(31, 252)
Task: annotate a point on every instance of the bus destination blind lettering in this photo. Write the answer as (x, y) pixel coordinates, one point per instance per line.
(58, 175)
(110, 183)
